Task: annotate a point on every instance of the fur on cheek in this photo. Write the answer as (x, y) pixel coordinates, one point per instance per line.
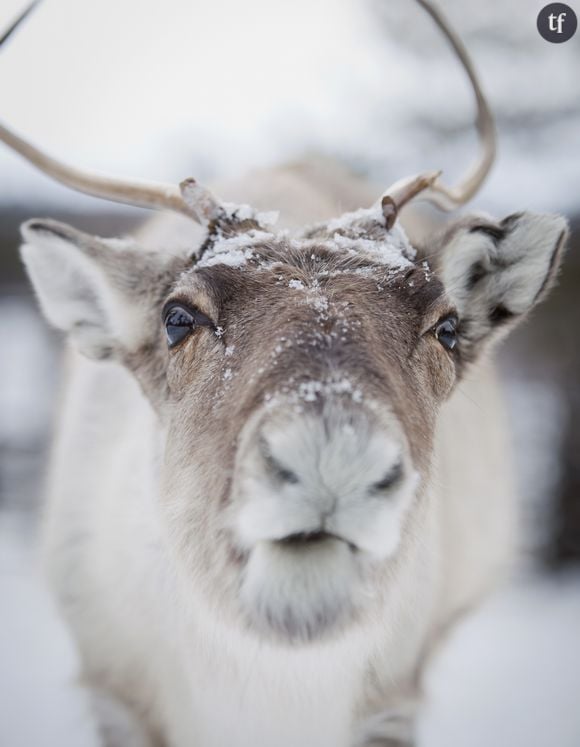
(439, 365)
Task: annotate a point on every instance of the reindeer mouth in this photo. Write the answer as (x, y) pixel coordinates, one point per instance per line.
(305, 540)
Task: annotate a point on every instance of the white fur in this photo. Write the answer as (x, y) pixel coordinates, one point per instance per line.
(79, 314)
(78, 298)
(516, 267)
(336, 464)
(131, 603)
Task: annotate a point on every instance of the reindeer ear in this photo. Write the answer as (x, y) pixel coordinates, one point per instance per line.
(494, 273)
(100, 291)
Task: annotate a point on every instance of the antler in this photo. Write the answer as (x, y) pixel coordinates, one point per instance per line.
(198, 203)
(127, 191)
(449, 198)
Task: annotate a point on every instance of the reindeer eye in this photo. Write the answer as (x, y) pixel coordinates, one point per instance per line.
(179, 323)
(180, 320)
(446, 332)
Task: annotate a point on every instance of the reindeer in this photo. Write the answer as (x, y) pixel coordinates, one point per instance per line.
(281, 472)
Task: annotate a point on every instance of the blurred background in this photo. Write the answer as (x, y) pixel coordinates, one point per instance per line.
(185, 87)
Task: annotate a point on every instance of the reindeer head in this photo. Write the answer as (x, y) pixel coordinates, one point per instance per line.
(297, 378)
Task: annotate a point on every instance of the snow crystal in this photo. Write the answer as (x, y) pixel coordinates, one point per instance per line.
(233, 258)
(296, 284)
(227, 375)
(365, 230)
(358, 234)
(320, 303)
(229, 351)
(364, 271)
(308, 391)
(347, 221)
(392, 252)
(234, 251)
(219, 331)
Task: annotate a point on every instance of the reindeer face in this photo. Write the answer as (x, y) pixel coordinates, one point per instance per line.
(306, 382)
(298, 381)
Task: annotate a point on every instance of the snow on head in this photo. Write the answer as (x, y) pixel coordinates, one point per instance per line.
(232, 233)
(242, 232)
(365, 231)
(234, 251)
(311, 390)
(235, 212)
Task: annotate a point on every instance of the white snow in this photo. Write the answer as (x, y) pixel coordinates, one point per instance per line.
(266, 219)
(510, 675)
(232, 258)
(426, 270)
(387, 252)
(310, 390)
(392, 249)
(234, 251)
(320, 303)
(26, 391)
(350, 232)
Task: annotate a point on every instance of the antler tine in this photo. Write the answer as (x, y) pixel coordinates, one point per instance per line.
(449, 198)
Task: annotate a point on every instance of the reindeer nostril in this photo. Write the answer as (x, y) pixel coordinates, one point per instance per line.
(284, 475)
(279, 471)
(392, 477)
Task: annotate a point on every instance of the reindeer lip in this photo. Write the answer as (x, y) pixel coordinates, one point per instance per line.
(299, 540)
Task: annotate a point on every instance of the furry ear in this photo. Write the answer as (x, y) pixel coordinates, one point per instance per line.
(102, 292)
(494, 273)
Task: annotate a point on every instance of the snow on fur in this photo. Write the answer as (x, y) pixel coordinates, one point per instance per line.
(359, 233)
